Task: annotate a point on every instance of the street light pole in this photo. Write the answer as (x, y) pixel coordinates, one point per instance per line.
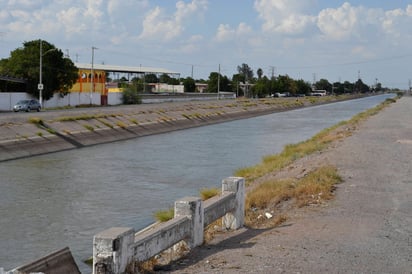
(40, 86)
(92, 78)
(218, 84)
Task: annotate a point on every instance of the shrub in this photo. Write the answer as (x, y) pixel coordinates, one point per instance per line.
(130, 96)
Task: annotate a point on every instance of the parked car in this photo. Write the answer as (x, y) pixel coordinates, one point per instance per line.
(27, 105)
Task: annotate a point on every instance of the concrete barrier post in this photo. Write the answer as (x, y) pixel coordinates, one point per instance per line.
(192, 207)
(111, 250)
(235, 219)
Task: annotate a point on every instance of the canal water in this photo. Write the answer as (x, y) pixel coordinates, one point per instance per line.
(63, 199)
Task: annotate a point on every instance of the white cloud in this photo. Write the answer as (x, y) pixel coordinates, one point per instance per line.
(284, 16)
(338, 23)
(158, 25)
(24, 4)
(226, 33)
(4, 15)
(397, 22)
(94, 10)
(409, 10)
(363, 51)
(187, 10)
(294, 31)
(71, 20)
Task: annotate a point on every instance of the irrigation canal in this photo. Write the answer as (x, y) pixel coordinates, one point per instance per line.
(63, 199)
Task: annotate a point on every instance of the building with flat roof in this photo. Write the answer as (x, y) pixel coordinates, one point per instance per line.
(93, 79)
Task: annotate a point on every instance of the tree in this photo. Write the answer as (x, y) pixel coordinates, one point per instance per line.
(361, 87)
(323, 84)
(217, 81)
(212, 82)
(246, 72)
(259, 73)
(261, 88)
(348, 87)
(378, 87)
(59, 73)
(165, 78)
(189, 84)
(286, 84)
(338, 88)
(150, 78)
(236, 79)
(131, 95)
(303, 87)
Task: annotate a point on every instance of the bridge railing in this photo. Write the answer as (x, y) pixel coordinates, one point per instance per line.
(120, 248)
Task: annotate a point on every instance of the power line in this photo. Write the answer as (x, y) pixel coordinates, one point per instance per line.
(350, 63)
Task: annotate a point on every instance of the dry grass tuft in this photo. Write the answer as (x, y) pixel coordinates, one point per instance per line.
(207, 193)
(164, 215)
(315, 188)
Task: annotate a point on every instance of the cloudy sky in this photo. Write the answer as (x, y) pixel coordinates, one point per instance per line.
(306, 39)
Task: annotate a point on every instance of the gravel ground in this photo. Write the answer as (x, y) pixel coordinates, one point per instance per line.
(367, 228)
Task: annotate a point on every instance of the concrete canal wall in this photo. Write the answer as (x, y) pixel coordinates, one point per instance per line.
(45, 132)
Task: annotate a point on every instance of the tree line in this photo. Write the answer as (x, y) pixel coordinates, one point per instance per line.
(244, 83)
(60, 74)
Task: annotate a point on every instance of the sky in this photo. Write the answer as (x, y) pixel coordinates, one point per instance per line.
(305, 39)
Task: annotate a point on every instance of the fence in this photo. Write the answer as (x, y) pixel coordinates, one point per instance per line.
(120, 248)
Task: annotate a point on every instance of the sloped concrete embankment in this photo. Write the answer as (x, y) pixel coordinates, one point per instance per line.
(26, 136)
(30, 139)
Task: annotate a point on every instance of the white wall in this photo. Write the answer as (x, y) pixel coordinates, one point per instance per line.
(9, 99)
(114, 98)
(72, 99)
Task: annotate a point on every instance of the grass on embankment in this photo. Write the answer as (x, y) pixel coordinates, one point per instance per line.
(311, 189)
(315, 187)
(319, 142)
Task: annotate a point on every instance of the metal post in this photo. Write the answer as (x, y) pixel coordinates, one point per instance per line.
(218, 83)
(40, 86)
(92, 78)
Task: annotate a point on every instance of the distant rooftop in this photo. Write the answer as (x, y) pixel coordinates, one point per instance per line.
(125, 69)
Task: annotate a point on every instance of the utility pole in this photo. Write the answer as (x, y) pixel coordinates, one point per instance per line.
(92, 78)
(40, 85)
(218, 83)
(273, 69)
(314, 82)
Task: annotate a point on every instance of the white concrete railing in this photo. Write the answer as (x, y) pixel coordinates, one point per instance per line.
(116, 249)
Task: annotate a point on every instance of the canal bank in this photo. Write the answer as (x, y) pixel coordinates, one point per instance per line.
(41, 133)
(366, 228)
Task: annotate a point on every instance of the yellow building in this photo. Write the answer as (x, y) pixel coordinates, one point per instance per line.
(99, 77)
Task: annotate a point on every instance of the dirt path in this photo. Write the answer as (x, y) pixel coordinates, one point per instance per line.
(367, 228)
